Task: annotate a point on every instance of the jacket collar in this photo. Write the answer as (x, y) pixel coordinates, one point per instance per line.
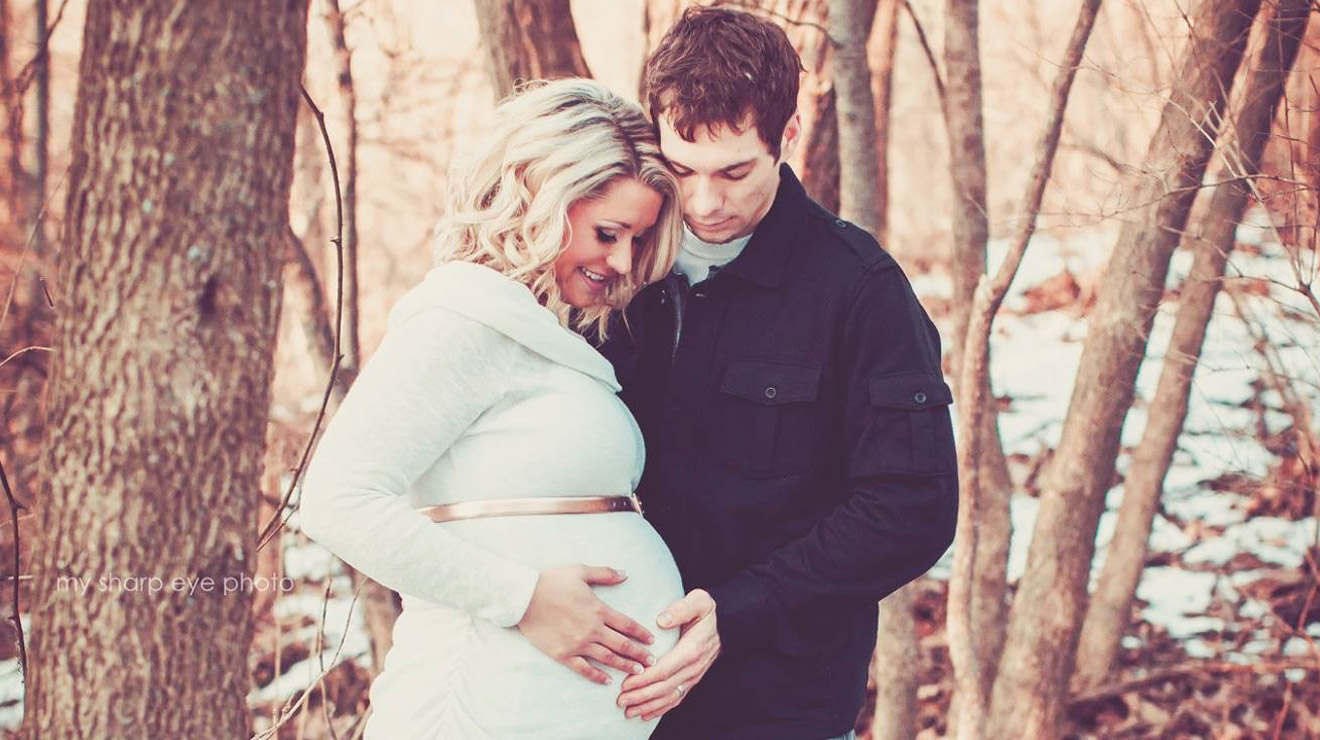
(765, 258)
(507, 306)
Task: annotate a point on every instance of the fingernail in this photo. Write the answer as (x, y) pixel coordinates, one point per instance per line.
(630, 714)
(650, 660)
(664, 620)
(637, 668)
(608, 680)
(622, 573)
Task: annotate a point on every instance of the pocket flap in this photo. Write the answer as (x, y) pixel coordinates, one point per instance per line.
(910, 391)
(770, 382)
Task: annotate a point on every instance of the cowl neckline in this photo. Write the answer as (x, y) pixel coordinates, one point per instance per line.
(487, 296)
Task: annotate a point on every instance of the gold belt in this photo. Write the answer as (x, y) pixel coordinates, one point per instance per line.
(531, 506)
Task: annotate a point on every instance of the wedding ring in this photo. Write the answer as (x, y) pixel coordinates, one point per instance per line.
(681, 689)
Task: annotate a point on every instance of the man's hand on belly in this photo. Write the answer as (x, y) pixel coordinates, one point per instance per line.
(661, 687)
(568, 622)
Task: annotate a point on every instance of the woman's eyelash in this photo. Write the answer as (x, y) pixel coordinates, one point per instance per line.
(606, 236)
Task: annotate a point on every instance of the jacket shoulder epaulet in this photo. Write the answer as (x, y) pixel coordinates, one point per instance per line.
(857, 240)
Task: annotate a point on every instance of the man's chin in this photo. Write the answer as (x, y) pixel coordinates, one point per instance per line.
(719, 235)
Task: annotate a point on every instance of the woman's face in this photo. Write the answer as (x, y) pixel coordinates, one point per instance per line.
(604, 233)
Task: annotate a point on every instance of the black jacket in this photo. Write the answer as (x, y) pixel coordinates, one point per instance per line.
(800, 462)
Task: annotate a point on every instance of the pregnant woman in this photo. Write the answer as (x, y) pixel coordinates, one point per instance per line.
(482, 465)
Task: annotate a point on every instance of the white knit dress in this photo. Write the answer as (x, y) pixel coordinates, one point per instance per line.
(477, 392)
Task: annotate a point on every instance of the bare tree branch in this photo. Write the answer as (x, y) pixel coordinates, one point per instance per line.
(278, 521)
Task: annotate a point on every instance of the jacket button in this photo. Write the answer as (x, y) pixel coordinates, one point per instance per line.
(840, 223)
(771, 392)
(919, 398)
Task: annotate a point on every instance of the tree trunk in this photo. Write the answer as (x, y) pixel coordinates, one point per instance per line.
(859, 177)
(962, 114)
(861, 200)
(348, 339)
(880, 50)
(42, 144)
(1111, 605)
(169, 296)
(11, 145)
(972, 675)
(820, 160)
(1031, 686)
(896, 666)
(317, 324)
(657, 17)
(529, 40)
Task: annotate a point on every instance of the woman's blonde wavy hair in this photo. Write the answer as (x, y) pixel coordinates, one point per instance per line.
(551, 145)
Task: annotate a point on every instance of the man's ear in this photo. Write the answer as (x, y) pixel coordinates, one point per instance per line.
(792, 135)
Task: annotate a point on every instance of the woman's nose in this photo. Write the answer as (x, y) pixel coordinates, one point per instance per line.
(620, 259)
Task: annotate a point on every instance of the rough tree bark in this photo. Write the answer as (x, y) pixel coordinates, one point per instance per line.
(962, 114)
(972, 676)
(169, 295)
(529, 40)
(1031, 685)
(1111, 605)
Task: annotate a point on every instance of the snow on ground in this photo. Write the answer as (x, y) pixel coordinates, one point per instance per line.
(1035, 359)
(11, 686)
(345, 634)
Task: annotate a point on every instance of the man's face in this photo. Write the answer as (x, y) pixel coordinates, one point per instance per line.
(727, 177)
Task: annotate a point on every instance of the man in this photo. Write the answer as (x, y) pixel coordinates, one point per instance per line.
(800, 458)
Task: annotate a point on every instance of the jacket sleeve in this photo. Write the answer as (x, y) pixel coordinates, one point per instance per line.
(896, 518)
(434, 373)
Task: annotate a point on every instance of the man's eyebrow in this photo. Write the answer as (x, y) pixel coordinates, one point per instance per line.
(679, 165)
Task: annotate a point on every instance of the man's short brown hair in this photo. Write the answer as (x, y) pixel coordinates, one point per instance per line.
(717, 65)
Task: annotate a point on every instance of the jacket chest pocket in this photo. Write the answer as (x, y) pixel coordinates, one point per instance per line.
(765, 418)
(908, 429)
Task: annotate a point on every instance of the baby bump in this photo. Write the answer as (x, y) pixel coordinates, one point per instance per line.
(622, 540)
(492, 678)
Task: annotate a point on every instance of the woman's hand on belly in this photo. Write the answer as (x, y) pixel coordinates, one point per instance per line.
(568, 622)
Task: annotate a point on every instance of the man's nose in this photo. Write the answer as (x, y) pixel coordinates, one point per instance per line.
(703, 198)
(621, 257)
